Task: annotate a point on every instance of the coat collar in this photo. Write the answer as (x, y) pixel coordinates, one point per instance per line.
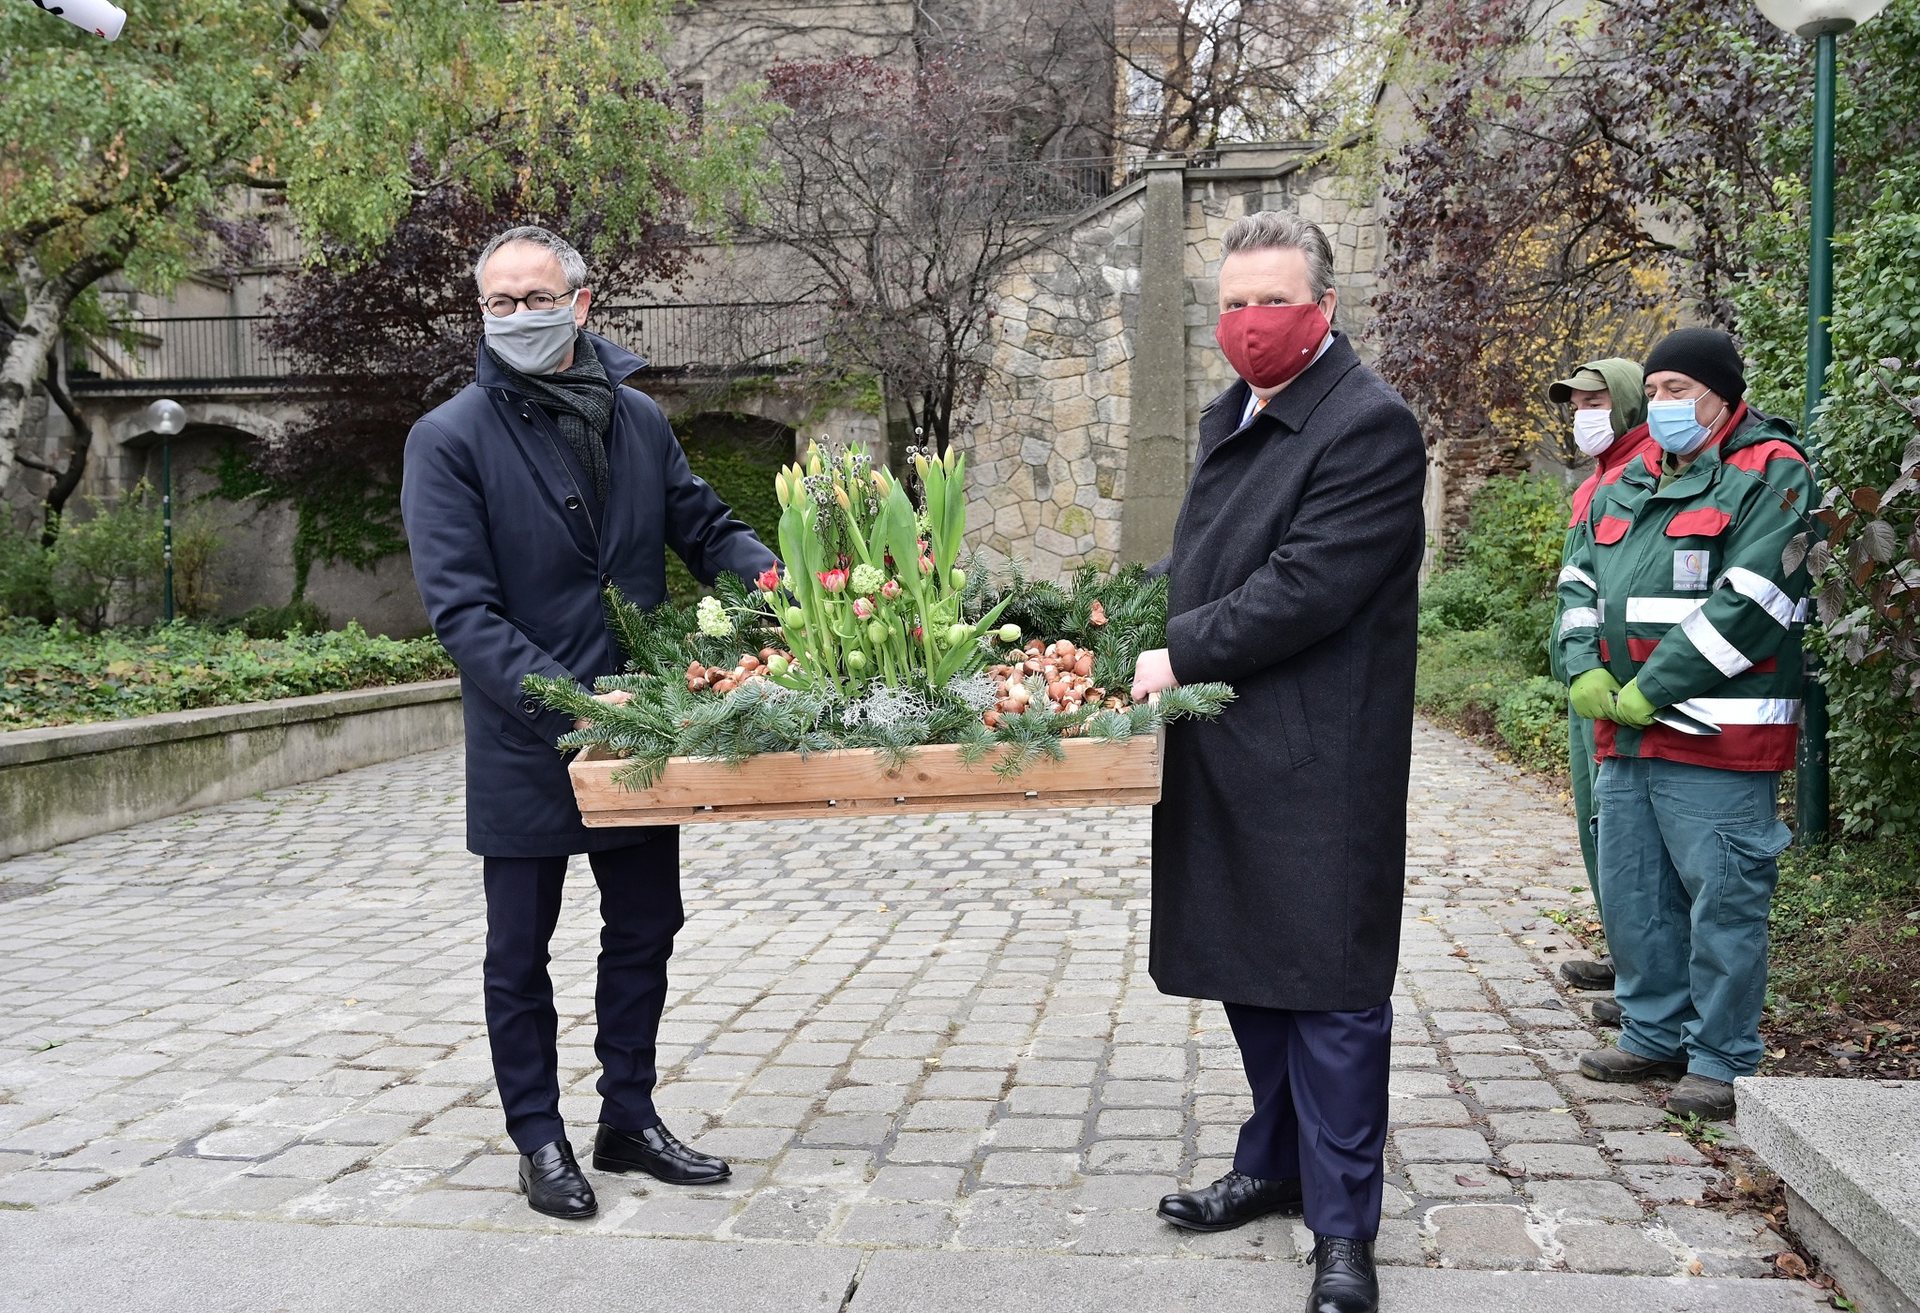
(619, 363)
(1292, 407)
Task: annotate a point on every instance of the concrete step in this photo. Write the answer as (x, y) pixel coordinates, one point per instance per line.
(1849, 1152)
(69, 1260)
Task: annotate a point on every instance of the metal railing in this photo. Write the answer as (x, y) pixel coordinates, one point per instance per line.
(182, 351)
(212, 351)
(717, 336)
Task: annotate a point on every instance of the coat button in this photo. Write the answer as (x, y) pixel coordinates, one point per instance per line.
(606, 581)
(573, 503)
(524, 415)
(530, 706)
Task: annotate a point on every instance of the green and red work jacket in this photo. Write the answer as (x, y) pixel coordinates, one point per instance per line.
(1683, 588)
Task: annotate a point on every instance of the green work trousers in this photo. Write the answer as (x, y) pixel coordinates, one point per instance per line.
(1687, 857)
(1582, 769)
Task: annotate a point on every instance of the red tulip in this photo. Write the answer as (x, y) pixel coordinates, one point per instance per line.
(890, 589)
(769, 580)
(834, 581)
(862, 607)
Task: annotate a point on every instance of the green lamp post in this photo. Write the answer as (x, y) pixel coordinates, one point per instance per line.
(1822, 22)
(166, 418)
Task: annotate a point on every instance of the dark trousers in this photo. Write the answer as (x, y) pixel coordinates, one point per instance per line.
(1319, 1083)
(640, 913)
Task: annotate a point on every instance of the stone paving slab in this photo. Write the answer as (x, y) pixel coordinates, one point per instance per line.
(76, 1261)
(903, 1282)
(931, 1031)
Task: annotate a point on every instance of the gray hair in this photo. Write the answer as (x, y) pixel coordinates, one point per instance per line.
(571, 264)
(1287, 231)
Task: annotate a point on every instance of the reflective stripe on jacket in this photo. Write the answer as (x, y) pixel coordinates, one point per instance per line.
(1683, 588)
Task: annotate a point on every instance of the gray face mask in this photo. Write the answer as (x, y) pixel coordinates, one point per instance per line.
(532, 341)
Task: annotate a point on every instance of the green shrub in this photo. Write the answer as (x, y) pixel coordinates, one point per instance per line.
(108, 566)
(1846, 929)
(25, 571)
(1458, 598)
(297, 617)
(1532, 721)
(1526, 634)
(1460, 678)
(740, 470)
(1516, 529)
(56, 675)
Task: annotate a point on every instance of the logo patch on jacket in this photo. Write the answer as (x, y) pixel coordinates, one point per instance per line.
(1690, 570)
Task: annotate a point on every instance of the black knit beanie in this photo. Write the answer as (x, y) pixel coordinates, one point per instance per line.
(1705, 355)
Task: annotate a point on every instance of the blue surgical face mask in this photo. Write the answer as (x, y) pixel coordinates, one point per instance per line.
(1676, 425)
(532, 341)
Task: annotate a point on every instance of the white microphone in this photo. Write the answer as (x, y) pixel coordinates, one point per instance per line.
(102, 19)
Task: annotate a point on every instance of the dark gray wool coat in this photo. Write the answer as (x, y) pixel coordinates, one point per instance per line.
(1279, 845)
(511, 551)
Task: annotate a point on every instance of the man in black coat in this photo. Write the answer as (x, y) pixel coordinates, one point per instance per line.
(542, 483)
(1279, 844)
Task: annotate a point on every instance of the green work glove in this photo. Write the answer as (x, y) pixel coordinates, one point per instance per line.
(1632, 709)
(1591, 694)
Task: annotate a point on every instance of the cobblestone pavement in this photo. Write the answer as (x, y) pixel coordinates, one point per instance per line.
(918, 1033)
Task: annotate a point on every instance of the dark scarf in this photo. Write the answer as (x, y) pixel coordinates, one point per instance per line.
(580, 398)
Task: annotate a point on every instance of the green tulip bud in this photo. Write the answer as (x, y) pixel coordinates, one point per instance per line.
(876, 633)
(959, 578)
(958, 634)
(1009, 633)
(856, 661)
(796, 618)
(777, 665)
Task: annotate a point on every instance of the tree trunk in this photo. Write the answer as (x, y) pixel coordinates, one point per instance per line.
(44, 311)
(65, 483)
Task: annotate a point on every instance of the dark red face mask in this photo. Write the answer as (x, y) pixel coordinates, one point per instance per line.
(1268, 345)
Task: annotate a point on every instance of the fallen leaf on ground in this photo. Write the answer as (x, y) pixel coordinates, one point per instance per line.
(1790, 1265)
(1460, 1179)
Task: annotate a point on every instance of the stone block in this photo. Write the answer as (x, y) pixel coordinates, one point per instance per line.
(1606, 1200)
(1849, 1151)
(1617, 1249)
(1441, 1146)
(1486, 1236)
(1457, 1181)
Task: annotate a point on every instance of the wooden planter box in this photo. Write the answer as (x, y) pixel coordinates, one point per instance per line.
(856, 782)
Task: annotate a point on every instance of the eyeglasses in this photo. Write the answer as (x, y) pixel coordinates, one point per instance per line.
(500, 305)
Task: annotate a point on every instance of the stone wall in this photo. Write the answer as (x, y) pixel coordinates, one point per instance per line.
(1048, 439)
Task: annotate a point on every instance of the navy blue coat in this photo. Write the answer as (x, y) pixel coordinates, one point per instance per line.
(511, 551)
(1280, 841)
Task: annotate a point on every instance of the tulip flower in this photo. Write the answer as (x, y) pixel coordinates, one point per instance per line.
(926, 565)
(769, 580)
(1009, 633)
(890, 589)
(834, 581)
(863, 608)
(796, 618)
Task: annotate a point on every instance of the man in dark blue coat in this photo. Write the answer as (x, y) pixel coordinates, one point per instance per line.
(541, 484)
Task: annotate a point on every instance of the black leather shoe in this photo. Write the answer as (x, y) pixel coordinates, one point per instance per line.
(1587, 973)
(1608, 1013)
(554, 1183)
(1343, 1277)
(1233, 1200)
(655, 1152)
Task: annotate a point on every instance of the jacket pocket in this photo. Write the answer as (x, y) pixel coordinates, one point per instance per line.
(1700, 522)
(1611, 529)
(1291, 709)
